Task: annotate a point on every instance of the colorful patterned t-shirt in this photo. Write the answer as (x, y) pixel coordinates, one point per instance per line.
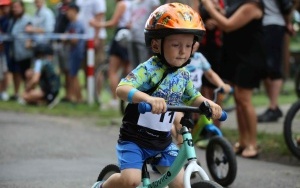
(149, 130)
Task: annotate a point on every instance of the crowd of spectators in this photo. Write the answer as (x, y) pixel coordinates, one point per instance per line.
(69, 54)
(235, 44)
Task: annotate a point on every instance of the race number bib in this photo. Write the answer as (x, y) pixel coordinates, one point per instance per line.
(160, 122)
(196, 77)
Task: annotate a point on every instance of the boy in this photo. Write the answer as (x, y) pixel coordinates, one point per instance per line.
(76, 53)
(44, 74)
(171, 31)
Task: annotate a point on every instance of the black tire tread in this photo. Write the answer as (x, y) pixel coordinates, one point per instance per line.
(111, 168)
(231, 159)
(287, 129)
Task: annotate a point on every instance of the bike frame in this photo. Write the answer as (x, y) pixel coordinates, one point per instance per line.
(207, 124)
(186, 152)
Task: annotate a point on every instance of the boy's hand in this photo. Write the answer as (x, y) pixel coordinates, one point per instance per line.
(215, 109)
(227, 88)
(158, 104)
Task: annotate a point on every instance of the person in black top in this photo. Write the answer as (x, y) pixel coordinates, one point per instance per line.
(243, 63)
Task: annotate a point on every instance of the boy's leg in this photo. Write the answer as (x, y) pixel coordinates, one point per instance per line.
(168, 157)
(176, 128)
(33, 96)
(130, 159)
(130, 178)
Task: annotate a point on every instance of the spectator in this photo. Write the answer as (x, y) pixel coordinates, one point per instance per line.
(275, 23)
(76, 53)
(42, 22)
(211, 48)
(243, 63)
(43, 74)
(94, 10)
(61, 23)
(118, 54)
(140, 11)
(21, 55)
(4, 49)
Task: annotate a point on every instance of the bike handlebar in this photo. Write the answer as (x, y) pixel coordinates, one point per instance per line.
(204, 109)
(220, 90)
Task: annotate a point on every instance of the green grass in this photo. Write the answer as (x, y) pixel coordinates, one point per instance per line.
(272, 146)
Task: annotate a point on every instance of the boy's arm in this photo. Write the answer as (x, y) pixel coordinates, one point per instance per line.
(129, 93)
(33, 81)
(215, 79)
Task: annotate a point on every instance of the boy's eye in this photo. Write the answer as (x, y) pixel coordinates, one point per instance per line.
(175, 45)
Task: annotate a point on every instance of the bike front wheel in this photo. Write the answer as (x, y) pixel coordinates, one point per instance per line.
(221, 161)
(291, 129)
(206, 184)
(108, 171)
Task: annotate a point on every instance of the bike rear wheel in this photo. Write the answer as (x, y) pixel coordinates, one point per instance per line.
(291, 129)
(221, 161)
(206, 184)
(107, 171)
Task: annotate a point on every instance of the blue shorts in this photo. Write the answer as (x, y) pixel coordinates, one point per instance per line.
(75, 60)
(131, 155)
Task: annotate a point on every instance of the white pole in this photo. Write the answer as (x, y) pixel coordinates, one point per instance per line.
(90, 71)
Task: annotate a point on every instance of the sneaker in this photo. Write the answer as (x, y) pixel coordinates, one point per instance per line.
(14, 98)
(21, 101)
(270, 115)
(97, 184)
(4, 96)
(53, 103)
(112, 105)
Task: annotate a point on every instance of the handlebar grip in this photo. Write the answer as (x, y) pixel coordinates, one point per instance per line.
(223, 116)
(144, 107)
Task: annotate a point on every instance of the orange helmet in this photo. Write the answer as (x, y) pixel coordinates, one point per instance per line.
(4, 2)
(173, 18)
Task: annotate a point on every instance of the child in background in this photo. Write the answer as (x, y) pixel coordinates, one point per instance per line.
(76, 53)
(171, 31)
(198, 67)
(43, 74)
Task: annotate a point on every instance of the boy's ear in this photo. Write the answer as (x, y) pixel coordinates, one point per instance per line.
(155, 45)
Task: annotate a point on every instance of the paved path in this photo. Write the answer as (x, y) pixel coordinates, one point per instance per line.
(38, 151)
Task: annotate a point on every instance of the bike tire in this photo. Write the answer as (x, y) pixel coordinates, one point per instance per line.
(206, 184)
(100, 76)
(219, 154)
(290, 140)
(297, 83)
(107, 171)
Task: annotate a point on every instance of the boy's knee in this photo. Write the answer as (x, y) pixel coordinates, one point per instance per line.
(130, 179)
(131, 182)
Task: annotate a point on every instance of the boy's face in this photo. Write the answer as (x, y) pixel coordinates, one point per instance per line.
(71, 13)
(178, 48)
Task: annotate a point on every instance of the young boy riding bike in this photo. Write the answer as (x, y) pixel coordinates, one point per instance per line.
(171, 31)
